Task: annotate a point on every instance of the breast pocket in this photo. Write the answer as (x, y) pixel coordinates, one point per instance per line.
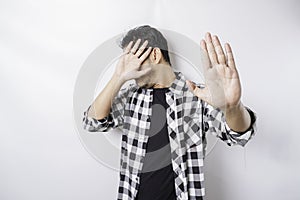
(192, 131)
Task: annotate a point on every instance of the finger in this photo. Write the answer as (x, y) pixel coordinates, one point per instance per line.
(135, 47)
(142, 48)
(145, 54)
(203, 45)
(219, 50)
(211, 49)
(143, 72)
(205, 59)
(230, 58)
(200, 93)
(128, 47)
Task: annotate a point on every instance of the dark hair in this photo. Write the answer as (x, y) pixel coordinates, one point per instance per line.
(154, 37)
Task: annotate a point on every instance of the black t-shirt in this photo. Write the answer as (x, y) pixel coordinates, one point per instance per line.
(157, 177)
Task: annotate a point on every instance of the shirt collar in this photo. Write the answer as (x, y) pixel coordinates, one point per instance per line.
(177, 86)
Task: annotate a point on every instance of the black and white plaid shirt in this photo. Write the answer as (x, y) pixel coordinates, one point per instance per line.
(188, 120)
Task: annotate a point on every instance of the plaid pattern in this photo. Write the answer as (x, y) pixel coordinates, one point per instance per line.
(189, 120)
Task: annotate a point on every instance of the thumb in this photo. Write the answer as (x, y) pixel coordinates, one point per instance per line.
(200, 93)
(143, 72)
(190, 85)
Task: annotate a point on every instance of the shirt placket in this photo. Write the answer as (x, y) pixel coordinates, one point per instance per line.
(177, 150)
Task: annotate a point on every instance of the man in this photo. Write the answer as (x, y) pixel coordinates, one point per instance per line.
(190, 111)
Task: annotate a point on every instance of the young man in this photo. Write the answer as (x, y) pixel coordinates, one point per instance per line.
(189, 112)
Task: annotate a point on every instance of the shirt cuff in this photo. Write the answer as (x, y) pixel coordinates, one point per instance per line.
(253, 119)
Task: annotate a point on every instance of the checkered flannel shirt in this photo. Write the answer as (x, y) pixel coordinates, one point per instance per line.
(189, 119)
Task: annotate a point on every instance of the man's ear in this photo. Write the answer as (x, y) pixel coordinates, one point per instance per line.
(156, 56)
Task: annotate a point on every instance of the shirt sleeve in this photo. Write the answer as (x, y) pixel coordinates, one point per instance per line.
(114, 119)
(214, 122)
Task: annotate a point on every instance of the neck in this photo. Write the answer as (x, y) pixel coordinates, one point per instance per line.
(163, 76)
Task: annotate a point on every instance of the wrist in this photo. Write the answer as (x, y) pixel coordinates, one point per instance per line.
(117, 80)
(234, 108)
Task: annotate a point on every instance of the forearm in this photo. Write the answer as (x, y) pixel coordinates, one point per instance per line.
(238, 118)
(100, 108)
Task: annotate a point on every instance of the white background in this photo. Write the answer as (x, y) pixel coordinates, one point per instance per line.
(44, 43)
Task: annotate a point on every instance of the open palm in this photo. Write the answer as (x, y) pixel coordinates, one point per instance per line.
(222, 84)
(128, 66)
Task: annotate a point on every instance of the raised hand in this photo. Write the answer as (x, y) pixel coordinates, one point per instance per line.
(128, 66)
(222, 83)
